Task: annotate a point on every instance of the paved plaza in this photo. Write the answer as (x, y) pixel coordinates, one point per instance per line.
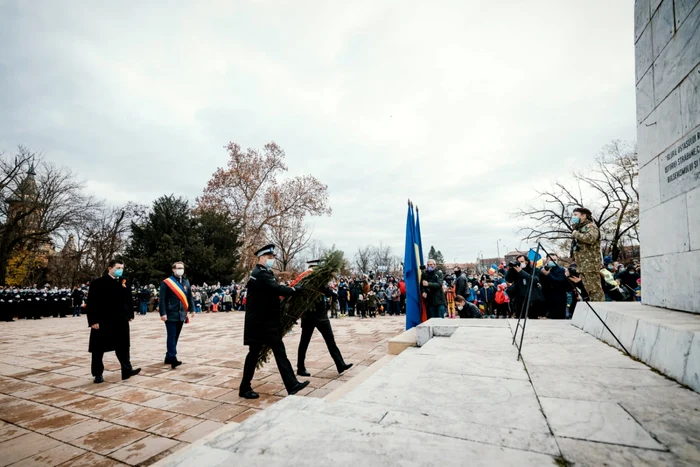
(53, 414)
(466, 400)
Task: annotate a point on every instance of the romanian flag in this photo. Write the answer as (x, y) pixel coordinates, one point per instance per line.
(411, 273)
(493, 269)
(419, 257)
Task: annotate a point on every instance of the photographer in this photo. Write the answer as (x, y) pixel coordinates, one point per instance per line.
(554, 287)
(585, 247)
(519, 281)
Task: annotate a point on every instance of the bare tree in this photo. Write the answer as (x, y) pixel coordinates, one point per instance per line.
(612, 196)
(363, 258)
(37, 201)
(248, 191)
(381, 255)
(291, 237)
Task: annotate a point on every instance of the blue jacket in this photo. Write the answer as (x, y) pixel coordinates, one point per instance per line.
(170, 305)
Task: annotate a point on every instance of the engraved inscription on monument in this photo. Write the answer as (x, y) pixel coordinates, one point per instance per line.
(679, 167)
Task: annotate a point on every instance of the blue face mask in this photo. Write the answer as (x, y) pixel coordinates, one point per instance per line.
(118, 272)
(269, 263)
(552, 264)
(575, 220)
(431, 269)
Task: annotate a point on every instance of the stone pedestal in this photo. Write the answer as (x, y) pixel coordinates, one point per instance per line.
(668, 341)
(667, 52)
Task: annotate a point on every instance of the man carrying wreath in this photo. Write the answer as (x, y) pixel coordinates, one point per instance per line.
(175, 303)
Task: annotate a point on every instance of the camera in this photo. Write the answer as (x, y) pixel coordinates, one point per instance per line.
(513, 264)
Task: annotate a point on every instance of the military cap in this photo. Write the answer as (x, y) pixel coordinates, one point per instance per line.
(267, 250)
(313, 263)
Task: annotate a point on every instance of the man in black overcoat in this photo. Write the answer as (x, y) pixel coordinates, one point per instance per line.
(263, 324)
(317, 318)
(109, 313)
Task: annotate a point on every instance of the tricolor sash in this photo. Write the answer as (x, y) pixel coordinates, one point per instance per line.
(176, 288)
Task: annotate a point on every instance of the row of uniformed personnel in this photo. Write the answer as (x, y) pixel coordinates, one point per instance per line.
(34, 303)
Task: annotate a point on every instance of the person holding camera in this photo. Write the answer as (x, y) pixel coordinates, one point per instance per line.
(554, 287)
(585, 247)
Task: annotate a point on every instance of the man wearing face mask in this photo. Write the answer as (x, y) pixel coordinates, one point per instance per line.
(176, 302)
(461, 284)
(585, 247)
(431, 285)
(109, 313)
(263, 324)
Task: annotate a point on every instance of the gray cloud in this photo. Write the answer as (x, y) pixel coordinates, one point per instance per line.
(462, 106)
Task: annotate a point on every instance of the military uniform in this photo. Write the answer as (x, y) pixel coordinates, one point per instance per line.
(588, 258)
(263, 326)
(317, 318)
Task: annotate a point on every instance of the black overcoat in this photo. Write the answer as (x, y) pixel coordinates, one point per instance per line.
(318, 314)
(263, 323)
(109, 305)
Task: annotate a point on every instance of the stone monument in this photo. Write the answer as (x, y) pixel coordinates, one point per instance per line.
(667, 52)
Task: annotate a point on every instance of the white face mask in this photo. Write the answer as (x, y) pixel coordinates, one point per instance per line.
(179, 272)
(269, 263)
(522, 265)
(460, 308)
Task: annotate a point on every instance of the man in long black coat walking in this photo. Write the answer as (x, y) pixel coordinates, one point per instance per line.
(263, 324)
(318, 319)
(109, 313)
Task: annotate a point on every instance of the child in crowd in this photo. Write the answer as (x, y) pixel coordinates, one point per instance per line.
(450, 294)
(502, 301)
(197, 302)
(361, 306)
(372, 304)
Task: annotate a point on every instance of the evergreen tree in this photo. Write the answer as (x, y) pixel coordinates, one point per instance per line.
(207, 243)
(440, 260)
(432, 253)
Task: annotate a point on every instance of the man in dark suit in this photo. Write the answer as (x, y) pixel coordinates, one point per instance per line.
(263, 324)
(175, 302)
(109, 313)
(317, 318)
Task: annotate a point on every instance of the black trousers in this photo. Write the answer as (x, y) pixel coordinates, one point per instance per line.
(285, 368)
(324, 327)
(97, 367)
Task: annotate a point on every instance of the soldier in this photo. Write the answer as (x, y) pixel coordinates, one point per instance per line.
(317, 319)
(109, 313)
(586, 252)
(263, 324)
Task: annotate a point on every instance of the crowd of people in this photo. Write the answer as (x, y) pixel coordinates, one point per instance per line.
(463, 294)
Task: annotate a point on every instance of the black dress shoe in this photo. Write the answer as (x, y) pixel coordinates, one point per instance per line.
(176, 364)
(298, 387)
(99, 379)
(133, 372)
(343, 368)
(249, 394)
(303, 372)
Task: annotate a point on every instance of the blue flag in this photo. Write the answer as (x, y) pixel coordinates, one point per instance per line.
(418, 240)
(533, 256)
(410, 274)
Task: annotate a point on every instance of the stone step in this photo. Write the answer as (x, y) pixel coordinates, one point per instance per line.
(666, 340)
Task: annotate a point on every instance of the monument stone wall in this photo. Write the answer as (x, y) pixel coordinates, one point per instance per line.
(667, 59)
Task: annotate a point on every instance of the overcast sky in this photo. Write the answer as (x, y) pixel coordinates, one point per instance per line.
(464, 106)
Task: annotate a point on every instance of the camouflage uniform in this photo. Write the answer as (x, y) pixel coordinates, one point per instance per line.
(588, 258)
